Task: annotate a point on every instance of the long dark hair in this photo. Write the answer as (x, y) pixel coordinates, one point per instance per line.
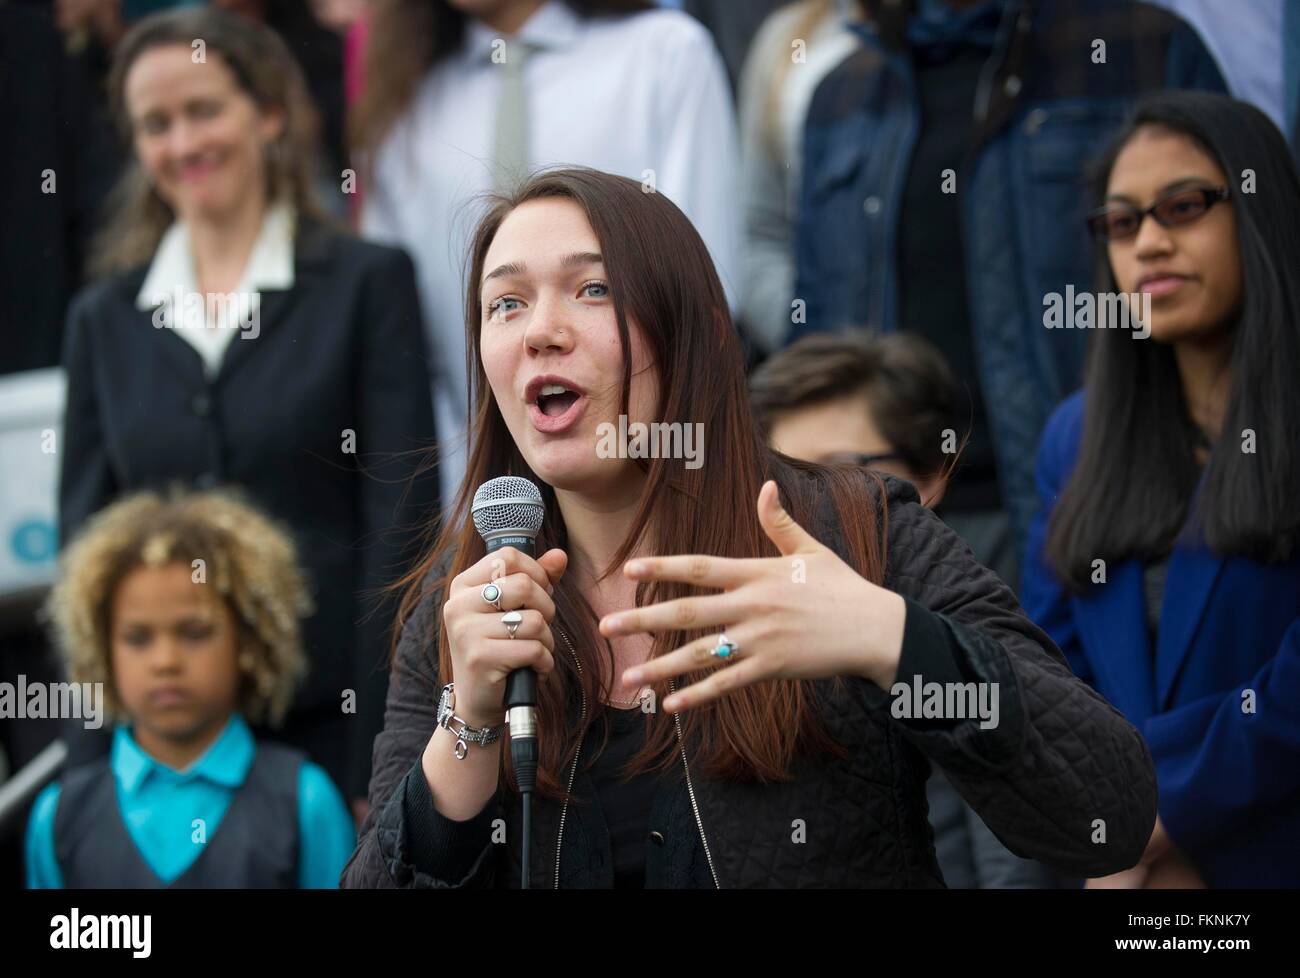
(661, 276)
(1132, 489)
(408, 37)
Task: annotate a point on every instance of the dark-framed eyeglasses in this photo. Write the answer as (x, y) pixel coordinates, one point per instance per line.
(866, 461)
(1120, 222)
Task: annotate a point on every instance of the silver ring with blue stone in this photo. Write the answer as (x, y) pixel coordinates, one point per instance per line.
(492, 595)
(725, 649)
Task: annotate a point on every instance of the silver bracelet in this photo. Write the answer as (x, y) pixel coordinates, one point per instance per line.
(466, 734)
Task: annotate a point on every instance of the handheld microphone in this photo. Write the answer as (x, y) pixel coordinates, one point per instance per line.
(507, 512)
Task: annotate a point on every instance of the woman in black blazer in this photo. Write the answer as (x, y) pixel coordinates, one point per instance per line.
(301, 377)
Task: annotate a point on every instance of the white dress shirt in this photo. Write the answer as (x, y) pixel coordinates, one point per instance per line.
(629, 94)
(172, 277)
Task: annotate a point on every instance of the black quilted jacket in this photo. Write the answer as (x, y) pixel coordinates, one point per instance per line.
(1062, 778)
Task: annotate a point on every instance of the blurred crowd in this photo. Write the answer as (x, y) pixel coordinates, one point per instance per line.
(891, 192)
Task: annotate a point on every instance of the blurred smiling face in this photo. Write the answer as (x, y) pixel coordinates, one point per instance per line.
(199, 136)
(1192, 270)
(174, 647)
(550, 347)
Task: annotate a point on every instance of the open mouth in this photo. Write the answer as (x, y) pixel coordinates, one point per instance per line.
(554, 405)
(554, 400)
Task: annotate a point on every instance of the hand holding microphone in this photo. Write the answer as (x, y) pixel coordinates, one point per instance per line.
(462, 779)
(482, 652)
(508, 514)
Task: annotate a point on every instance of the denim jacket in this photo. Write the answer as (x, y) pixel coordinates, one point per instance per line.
(1045, 108)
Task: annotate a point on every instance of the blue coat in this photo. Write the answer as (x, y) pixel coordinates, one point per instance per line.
(1229, 632)
(1023, 197)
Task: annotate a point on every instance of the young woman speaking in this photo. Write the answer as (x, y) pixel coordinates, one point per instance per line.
(768, 757)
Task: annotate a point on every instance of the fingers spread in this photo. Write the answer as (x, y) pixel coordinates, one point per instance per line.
(691, 657)
(678, 615)
(780, 527)
(727, 679)
(716, 572)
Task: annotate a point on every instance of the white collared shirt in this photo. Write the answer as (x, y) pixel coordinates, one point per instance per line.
(208, 324)
(628, 95)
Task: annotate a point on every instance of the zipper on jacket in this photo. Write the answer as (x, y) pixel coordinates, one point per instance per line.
(690, 788)
(573, 772)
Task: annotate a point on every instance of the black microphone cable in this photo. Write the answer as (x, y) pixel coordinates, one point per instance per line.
(523, 757)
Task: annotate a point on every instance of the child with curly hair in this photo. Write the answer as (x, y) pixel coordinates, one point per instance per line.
(186, 608)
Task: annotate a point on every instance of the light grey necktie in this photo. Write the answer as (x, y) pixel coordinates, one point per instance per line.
(510, 140)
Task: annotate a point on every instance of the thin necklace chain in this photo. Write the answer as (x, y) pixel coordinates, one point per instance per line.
(632, 702)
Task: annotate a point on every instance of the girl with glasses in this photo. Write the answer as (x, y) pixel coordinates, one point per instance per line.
(1163, 559)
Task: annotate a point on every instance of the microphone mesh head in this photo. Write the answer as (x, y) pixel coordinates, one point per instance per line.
(507, 502)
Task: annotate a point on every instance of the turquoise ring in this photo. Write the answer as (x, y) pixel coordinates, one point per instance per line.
(725, 649)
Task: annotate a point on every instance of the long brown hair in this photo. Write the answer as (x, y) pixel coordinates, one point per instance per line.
(264, 70)
(408, 37)
(661, 277)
